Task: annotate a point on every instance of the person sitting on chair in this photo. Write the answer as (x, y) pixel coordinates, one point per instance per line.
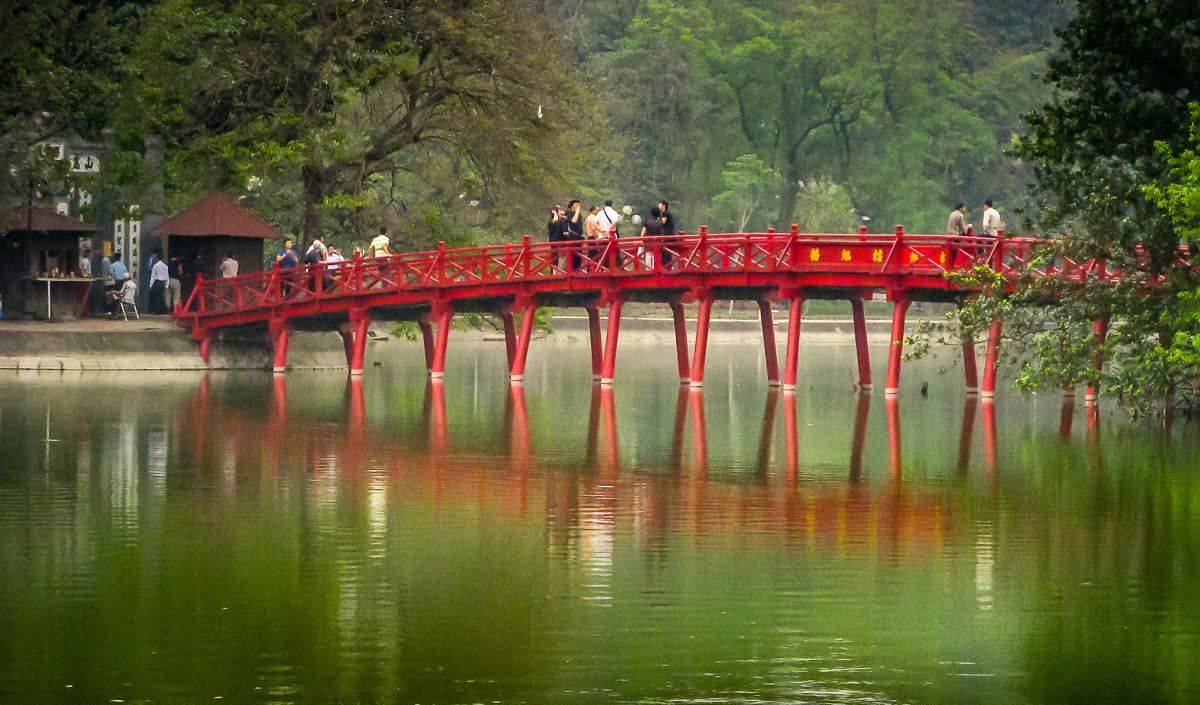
(127, 294)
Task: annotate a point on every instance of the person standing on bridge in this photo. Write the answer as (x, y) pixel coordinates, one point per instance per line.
(229, 266)
(957, 224)
(573, 229)
(608, 218)
(991, 220)
(286, 257)
(381, 245)
(668, 231)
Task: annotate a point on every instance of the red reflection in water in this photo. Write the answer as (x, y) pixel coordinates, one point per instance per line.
(1066, 416)
(892, 404)
(989, 437)
(966, 434)
(858, 442)
(853, 513)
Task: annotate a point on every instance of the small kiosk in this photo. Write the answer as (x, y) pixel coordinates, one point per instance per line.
(196, 239)
(39, 264)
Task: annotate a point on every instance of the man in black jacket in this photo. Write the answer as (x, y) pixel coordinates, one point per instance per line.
(668, 229)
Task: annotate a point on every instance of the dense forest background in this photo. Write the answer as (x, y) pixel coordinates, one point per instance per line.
(465, 120)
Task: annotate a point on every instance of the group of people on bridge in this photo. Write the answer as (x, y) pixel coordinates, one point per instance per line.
(957, 223)
(571, 225)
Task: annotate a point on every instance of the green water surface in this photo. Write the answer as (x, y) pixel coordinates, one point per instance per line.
(239, 538)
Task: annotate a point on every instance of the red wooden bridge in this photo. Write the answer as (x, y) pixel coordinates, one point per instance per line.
(514, 280)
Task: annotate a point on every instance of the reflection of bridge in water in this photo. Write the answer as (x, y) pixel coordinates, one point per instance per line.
(773, 497)
(507, 281)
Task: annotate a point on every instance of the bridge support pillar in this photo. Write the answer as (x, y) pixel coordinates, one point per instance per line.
(593, 314)
(792, 361)
(700, 354)
(360, 323)
(510, 336)
(990, 360)
(427, 339)
(445, 314)
(896, 346)
(608, 367)
(860, 343)
(768, 331)
(681, 342)
(279, 333)
(970, 371)
(517, 370)
(346, 331)
(1099, 333)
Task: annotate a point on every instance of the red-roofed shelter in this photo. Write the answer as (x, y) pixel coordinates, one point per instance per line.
(198, 237)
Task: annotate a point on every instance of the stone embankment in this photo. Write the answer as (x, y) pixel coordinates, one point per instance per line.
(156, 343)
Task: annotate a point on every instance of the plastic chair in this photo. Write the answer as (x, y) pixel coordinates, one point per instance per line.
(131, 305)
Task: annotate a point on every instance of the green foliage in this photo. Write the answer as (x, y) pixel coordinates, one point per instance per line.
(1178, 194)
(751, 189)
(1107, 182)
(61, 66)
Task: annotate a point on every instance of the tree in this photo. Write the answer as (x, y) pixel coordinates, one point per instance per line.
(1122, 81)
(749, 185)
(333, 94)
(61, 63)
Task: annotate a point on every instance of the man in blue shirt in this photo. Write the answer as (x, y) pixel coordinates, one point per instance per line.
(286, 257)
(119, 270)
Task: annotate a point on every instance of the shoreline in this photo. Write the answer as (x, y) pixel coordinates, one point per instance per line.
(157, 344)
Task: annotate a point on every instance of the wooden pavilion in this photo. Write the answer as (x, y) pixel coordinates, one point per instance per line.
(197, 238)
(39, 263)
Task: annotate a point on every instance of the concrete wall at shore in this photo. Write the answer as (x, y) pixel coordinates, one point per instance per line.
(50, 347)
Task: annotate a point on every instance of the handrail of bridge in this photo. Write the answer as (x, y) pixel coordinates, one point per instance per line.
(605, 258)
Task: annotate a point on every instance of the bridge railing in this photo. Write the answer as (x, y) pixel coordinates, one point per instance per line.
(666, 256)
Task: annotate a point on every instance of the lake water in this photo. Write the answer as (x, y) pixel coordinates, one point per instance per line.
(175, 538)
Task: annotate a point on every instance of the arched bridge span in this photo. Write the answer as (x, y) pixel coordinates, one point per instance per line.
(512, 281)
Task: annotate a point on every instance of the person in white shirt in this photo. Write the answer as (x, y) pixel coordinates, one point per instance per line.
(229, 266)
(991, 220)
(127, 294)
(85, 264)
(335, 257)
(159, 274)
(608, 218)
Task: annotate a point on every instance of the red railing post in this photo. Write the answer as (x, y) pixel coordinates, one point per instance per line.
(525, 255)
(355, 283)
(275, 284)
(439, 264)
(998, 252)
(794, 246)
(702, 247)
(199, 292)
(771, 248)
(614, 254)
(898, 248)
